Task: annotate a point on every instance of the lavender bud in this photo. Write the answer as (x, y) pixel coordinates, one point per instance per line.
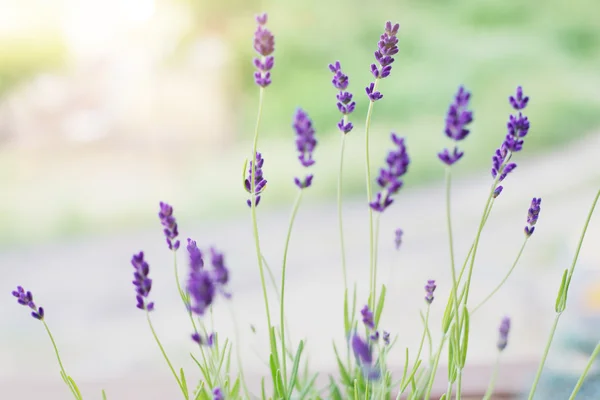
(345, 104)
(367, 317)
(196, 261)
(372, 94)
(218, 394)
(429, 289)
(260, 182)
(25, 298)
(503, 331)
(519, 101)
(532, 215)
(398, 238)
(264, 44)
(142, 283)
(497, 191)
(386, 338)
(170, 225)
(449, 158)
(389, 178)
(386, 48)
(458, 116)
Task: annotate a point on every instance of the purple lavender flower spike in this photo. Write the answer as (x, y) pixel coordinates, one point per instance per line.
(367, 317)
(363, 353)
(519, 101)
(386, 48)
(389, 178)
(345, 104)
(25, 298)
(429, 289)
(203, 341)
(450, 158)
(196, 258)
(220, 271)
(533, 215)
(201, 288)
(386, 338)
(170, 225)
(372, 94)
(142, 283)
(457, 119)
(260, 182)
(497, 191)
(218, 394)
(503, 331)
(305, 143)
(398, 238)
(264, 44)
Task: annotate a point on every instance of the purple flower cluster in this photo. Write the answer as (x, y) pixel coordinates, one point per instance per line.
(429, 289)
(259, 180)
(218, 394)
(170, 225)
(369, 322)
(398, 238)
(305, 143)
(203, 284)
(518, 127)
(363, 352)
(201, 340)
(345, 104)
(389, 178)
(264, 44)
(503, 331)
(25, 298)
(532, 215)
(457, 119)
(142, 283)
(386, 48)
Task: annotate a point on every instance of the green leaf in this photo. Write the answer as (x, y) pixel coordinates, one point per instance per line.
(452, 358)
(448, 314)
(347, 323)
(560, 304)
(405, 368)
(204, 370)
(74, 386)
(464, 347)
(356, 391)
(309, 386)
(262, 386)
(184, 386)
(380, 304)
(234, 393)
(103, 395)
(346, 380)
(294, 374)
(443, 396)
(276, 376)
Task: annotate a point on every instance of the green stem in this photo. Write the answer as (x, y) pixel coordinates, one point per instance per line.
(489, 296)
(253, 211)
(434, 368)
(453, 270)
(543, 360)
(62, 368)
(369, 198)
(162, 350)
(490, 389)
(339, 207)
(425, 329)
(283, 270)
(585, 372)
(375, 250)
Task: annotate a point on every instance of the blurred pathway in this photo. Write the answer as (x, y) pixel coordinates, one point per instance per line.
(85, 285)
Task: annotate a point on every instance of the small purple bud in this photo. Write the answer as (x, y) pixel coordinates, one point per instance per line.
(386, 338)
(367, 317)
(497, 191)
(533, 215)
(503, 331)
(372, 94)
(142, 283)
(429, 289)
(169, 224)
(398, 238)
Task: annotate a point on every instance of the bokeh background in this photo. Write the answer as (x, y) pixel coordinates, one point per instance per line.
(108, 107)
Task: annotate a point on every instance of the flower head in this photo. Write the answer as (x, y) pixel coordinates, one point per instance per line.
(429, 289)
(220, 271)
(518, 101)
(389, 179)
(364, 355)
(196, 261)
(305, 143)
(25, 298)
(344, 99)
(386, 48)
(218, 394)
(398, 238)
(264, 44)
(142, 283)
(532, 215)
(372, 93)
(203, 284)
(203, 340)
(386, 338)
(457, 119)
(170, 225)
(259, 181)
(503, 331)
(367, 317)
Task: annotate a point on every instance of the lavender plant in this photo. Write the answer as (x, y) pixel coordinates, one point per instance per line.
(363, 372)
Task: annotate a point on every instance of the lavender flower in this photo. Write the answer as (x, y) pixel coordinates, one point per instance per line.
(170, 225)
(398, 238)
(259, 181)
(264, 44)
(220, 271)
(203, 284)
(386, 338)
(202, 289)
(367, 317)
(457, 119)
(503, 331)
(532, 216)
(25, 298)
(372, 93)
(345, 104)
(201, 340)
(363, 353)
(389, 178)
(142, 283)
(218, 394)
(196, 258)
(305, 143)
(517, 127)
(386, 48)
(497, 191)
(429, 289)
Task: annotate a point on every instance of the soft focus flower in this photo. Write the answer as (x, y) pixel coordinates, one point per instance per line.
(345, 104)
(398, 238)
(517, 127)
(170, 225)
(363, 353)
(201, 340)
(25, 298)
(386, 338)
(457, 119)
(264, 44)
(532, 215)
(305, 143)
(389, 178)
(142, 283)
(201, 288)
(429, 289)
(203, 284)
(259, 181)
(196, 261)
(367, 317)
(218, 394)
(497, 191)
(503, 331)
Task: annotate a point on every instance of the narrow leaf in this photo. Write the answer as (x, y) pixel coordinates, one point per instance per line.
(346, 380)
(380, 304)
(294, 374)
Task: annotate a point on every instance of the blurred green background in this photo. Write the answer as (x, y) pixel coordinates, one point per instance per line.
(196, 56)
